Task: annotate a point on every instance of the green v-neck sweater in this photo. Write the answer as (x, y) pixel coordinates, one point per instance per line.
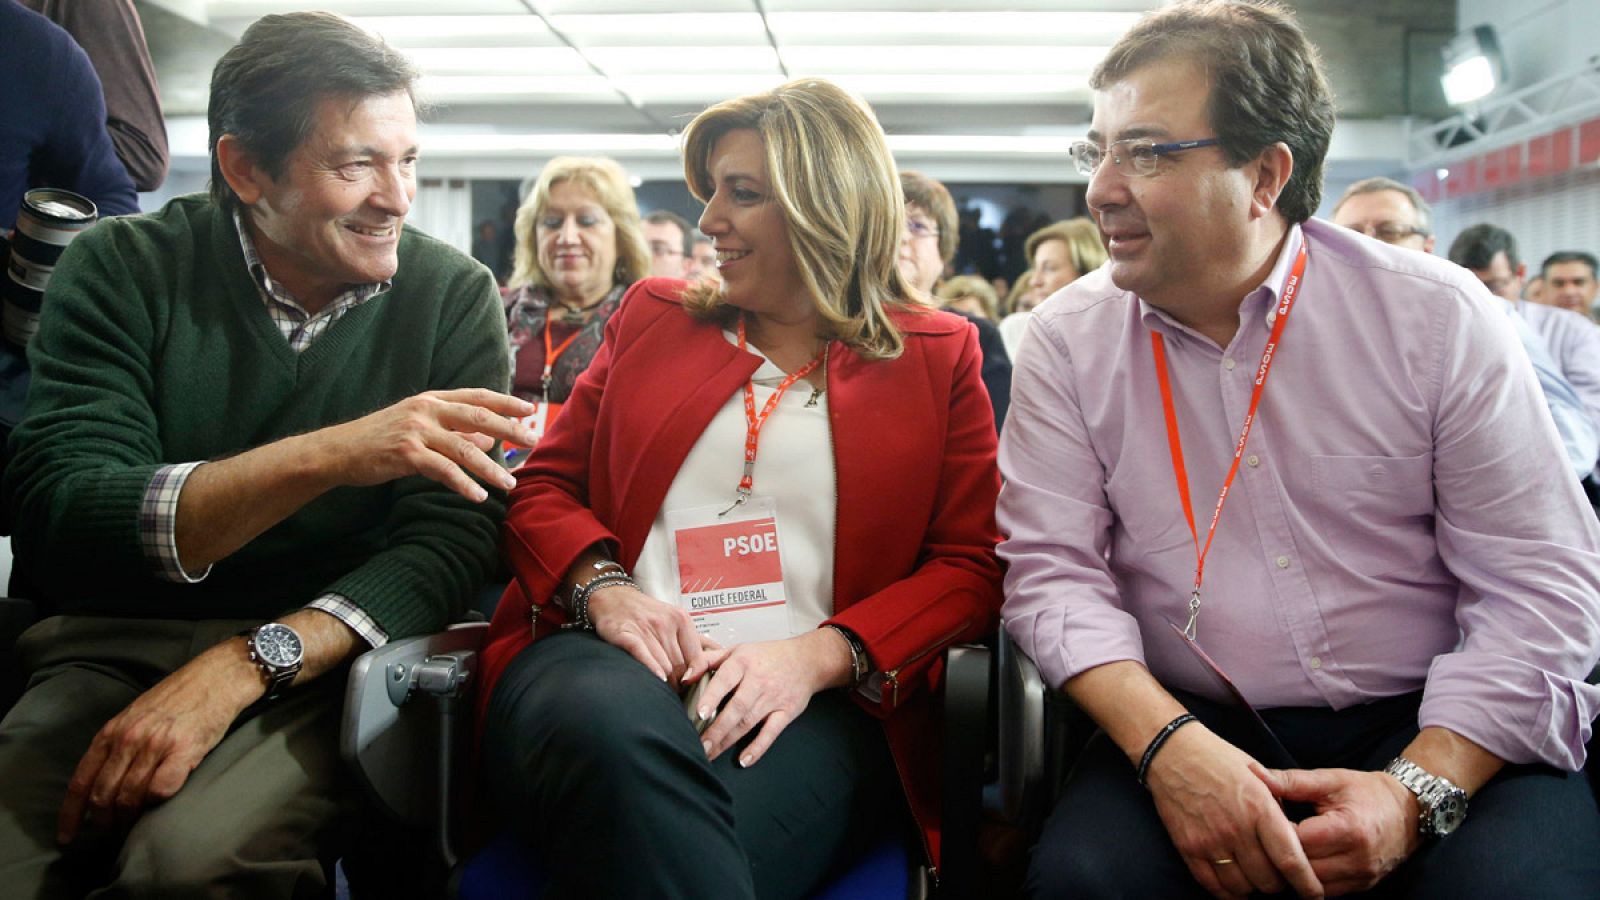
(155, 347)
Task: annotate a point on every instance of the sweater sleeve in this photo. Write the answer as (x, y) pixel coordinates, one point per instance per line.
(441, 547)
(88, 443)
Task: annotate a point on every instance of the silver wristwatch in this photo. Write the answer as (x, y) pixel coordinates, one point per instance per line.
(1444, 806)
(278, 651)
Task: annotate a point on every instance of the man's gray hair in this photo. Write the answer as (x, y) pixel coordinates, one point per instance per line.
(1374, 185)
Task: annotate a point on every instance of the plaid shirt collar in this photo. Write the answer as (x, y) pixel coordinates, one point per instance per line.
(299, 327)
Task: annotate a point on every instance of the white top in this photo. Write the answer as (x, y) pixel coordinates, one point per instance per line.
(1012, 328)
(794, 466)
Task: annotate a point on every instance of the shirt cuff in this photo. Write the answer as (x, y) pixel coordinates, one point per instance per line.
(158, 523)
(340, 607)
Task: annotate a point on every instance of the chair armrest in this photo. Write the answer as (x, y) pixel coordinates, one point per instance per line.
(401, 751)
(967, 677)
(1022, 730)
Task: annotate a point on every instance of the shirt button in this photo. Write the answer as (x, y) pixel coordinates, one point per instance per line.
(1227, 363)
(1316, 662)
(1283, 562)
(1252, 460)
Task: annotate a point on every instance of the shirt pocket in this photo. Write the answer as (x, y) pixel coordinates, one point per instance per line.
(1376, 507)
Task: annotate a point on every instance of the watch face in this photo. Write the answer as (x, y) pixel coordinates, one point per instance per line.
(1449, 813)
(278, 645)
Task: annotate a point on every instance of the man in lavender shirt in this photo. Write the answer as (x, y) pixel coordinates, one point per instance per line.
(1405, 578)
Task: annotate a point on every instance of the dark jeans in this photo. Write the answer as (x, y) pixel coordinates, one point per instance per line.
(1532, 831)
(593, 759)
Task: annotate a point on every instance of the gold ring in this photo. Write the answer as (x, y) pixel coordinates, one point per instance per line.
(1222, 862)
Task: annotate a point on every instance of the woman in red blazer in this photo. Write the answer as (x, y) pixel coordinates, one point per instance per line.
(691, 466)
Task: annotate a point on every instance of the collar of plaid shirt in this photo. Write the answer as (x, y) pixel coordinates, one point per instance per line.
(298, 326)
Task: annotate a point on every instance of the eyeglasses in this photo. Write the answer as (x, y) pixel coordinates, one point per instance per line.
(1133, 156)
(1390, 232)
(658, 248)
(918, 229)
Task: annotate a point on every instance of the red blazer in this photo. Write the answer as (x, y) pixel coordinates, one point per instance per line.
(915, 568)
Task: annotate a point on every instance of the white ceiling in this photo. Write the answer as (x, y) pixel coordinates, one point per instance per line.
(966, 91)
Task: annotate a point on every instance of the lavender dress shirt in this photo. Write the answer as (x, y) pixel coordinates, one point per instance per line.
(1404, 518)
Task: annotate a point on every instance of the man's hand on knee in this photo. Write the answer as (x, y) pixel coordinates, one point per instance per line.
(1230, 830)
(1365, 826)
(442, 435)
(145, 754)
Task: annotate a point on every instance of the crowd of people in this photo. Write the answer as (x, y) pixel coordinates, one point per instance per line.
(746, 479)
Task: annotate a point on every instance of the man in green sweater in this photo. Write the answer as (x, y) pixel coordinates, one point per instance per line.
(254, 447)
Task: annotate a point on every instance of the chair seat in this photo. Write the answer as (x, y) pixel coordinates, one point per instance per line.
(504, 870)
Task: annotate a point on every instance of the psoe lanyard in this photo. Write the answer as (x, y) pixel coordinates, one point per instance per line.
(753, 422)
(550, 357)
(1285, 303)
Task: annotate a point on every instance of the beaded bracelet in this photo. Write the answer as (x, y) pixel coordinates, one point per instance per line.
(1156, 743)
(579, 605)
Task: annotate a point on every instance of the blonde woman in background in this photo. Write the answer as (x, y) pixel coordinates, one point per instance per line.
(1058, 254)
(580, 245)
(970, 294)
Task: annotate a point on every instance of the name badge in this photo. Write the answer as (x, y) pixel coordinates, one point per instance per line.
(730, 571)
(537, 422)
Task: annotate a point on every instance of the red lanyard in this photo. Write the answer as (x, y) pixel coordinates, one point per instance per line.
(550, 356)
(753, 422)
(1285, 303)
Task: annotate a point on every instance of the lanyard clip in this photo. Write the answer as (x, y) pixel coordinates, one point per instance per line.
(743, 495)
(1194, 614)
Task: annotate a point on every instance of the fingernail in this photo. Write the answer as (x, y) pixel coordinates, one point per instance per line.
(688, 673)
(704, 712)
(706, 745)
(479, 494)
(746, 760)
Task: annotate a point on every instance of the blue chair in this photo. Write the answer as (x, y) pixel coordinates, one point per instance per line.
(407, 707)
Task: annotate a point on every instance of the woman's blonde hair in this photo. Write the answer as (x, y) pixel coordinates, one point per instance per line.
(974, 286)
(830, 169)
(608, 183)
(1082, 238)
(1022, 285)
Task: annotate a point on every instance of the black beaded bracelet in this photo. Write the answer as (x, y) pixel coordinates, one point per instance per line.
(1157, 741)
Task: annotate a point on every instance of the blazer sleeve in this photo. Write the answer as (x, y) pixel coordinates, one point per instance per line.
(954, 594)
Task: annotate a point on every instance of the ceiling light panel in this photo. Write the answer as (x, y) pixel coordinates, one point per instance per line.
(498, 60)
(254, 9)
(510, 88)
(661, 29)
(942, 59)
(756, 59)
(1055, 28)
(459, 31)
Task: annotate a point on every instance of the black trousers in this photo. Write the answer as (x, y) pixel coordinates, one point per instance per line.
(593, 759)
(1532, 831)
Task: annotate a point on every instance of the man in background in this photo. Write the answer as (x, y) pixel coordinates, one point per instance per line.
(1569, 278)
(667, 233)
(1385, 209)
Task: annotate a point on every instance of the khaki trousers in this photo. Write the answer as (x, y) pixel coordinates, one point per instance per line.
(251, 818)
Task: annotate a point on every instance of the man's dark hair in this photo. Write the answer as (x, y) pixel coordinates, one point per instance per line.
(1475, 247)
(1267, 83)
(668, 217)
(1568, 256)
(265, 90)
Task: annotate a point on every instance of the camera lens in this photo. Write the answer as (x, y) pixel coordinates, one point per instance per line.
(47, 222)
